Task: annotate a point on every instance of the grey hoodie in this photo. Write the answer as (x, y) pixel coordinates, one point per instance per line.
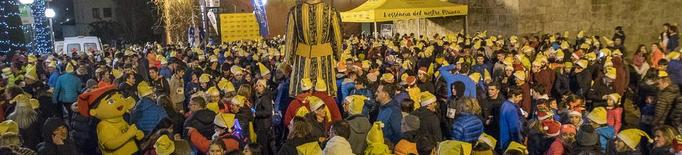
(359, 126)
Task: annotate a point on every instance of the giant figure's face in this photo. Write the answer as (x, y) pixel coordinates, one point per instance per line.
(112, 106)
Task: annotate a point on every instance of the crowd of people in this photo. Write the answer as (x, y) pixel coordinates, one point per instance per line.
(405, 94)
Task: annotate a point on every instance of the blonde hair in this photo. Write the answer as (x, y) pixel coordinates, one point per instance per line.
(468, 105)
(24, 116)
(668, 132)
(10, 139)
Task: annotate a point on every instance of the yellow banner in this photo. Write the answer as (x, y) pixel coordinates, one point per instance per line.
(390, 10)
(239, 26)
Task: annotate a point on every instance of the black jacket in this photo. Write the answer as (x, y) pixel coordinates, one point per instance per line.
(83, 133)
(491, 111)
(429, 130)
(263, 106)
(202, 120)
(598, 91)
(244, 116)
(583, 82)
(289, 148)
(47, 147)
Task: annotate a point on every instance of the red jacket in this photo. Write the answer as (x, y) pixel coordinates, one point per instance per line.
(526, 102)
(557, 148)
(296, 103)
(331, 105)
(614, 118)
(202, 144)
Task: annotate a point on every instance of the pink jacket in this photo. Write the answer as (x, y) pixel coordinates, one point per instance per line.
(614, 117)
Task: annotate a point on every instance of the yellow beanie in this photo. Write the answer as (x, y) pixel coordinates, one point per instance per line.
(302, 111)
(476, 77)
(9, 126)
(224, 120)
(488, 140)
(662, 74)
(356, 103)
(517, 146)
(238, 100)
(306, 84)
(117, 73)
(236, 70)
(427, 98)
(69, 68)
(611, 72)
(375, 134)
(453, 147)
(582, 63)
(598, 115)
(143, 89)
(568, 65)
(615, 97)
(315, 102)
(213, 91)
(386, 77)
(632, 137)
(226, 86)
(31, 73)
(672, 56)
(164, 145)
(204, 78)
(591, 56)
(520, 75)
(263, 70)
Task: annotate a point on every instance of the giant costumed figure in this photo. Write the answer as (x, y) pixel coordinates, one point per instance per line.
(114, 134)
(313, 39)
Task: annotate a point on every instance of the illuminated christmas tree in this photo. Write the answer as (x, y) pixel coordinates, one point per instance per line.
(11, 34)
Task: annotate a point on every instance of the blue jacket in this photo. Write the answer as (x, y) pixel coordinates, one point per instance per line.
(165, 72)
(52, 81)
(147, 115)
(390, 115)
(347, 86)
(606, 133)
(67, 88)
(466, 127)
(452, 78)
(675, 71)
(510, 124)
(339, 92)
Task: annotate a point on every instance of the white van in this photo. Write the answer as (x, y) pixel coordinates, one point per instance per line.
(80, 44)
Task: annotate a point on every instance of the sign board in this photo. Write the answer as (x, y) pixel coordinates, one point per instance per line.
(25, 14)
(212, 3)
(239, 26)
(387, 30)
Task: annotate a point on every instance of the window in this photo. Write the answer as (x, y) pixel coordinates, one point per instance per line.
(90, 46)
(73, 47)
(95, 13)
(106, 12)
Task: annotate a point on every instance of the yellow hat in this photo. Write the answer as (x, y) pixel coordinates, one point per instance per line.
(610, 72)
(582, 63)
(236, 70)
(375, 134)
(302, 111)
(204, 78)
(9, 126)
(591, 56)
(263, 70)
(226, 86)
(387, 76)
(320, 85)
(568, 65)
(143, 89)
(585, 46)
(306, 84)
(616, 52)
(614, 96)
(164, 145)
(52, 64)
(69, 68)
(559, 54)
(238, 100)
(608, 41)
(662, 74)
(213, 91)
(564, 45)
(508, 61)
(315, 102)
(213, 58)
(605, 51)
(224, 120)
(632, 137)
(476, 77)
(366, 64)
(161, 59)
(672, 56)
(598, 115)
(581, 34)
(453, 147)
(427, 98)
(31, 58)
(517, 146)
(520, 75)
(356, 103)
(31, 73)
(25, 101)
(117, 73)
(488, 140)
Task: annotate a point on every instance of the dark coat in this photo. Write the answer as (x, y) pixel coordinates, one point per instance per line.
(598, 91)
(263, 106)
(289, 148)
(202, 120)
(667, 99)
(429, 130)
(47, 147)
(83, 133)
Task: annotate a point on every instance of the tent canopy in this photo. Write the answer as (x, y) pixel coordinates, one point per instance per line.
(390, 10)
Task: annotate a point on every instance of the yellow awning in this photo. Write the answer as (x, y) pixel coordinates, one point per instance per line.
(390, 10)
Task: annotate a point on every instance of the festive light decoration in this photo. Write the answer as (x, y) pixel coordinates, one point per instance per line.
(42, 39)
(11, 33)
(177, 16)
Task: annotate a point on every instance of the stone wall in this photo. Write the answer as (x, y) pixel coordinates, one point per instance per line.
(641, 19)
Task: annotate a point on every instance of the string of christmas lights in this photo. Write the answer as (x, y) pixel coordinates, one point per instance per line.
(11, 32)
(42, 39)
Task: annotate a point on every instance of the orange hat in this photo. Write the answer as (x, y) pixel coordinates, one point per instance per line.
(86, 100)
(341, 66)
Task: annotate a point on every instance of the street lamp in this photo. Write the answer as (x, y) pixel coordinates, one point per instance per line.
(26, 1)
(49, 13)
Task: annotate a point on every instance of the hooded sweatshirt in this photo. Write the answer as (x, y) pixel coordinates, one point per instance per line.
(50, 148)
(202, 120)
(338, 145)
(359, 126)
